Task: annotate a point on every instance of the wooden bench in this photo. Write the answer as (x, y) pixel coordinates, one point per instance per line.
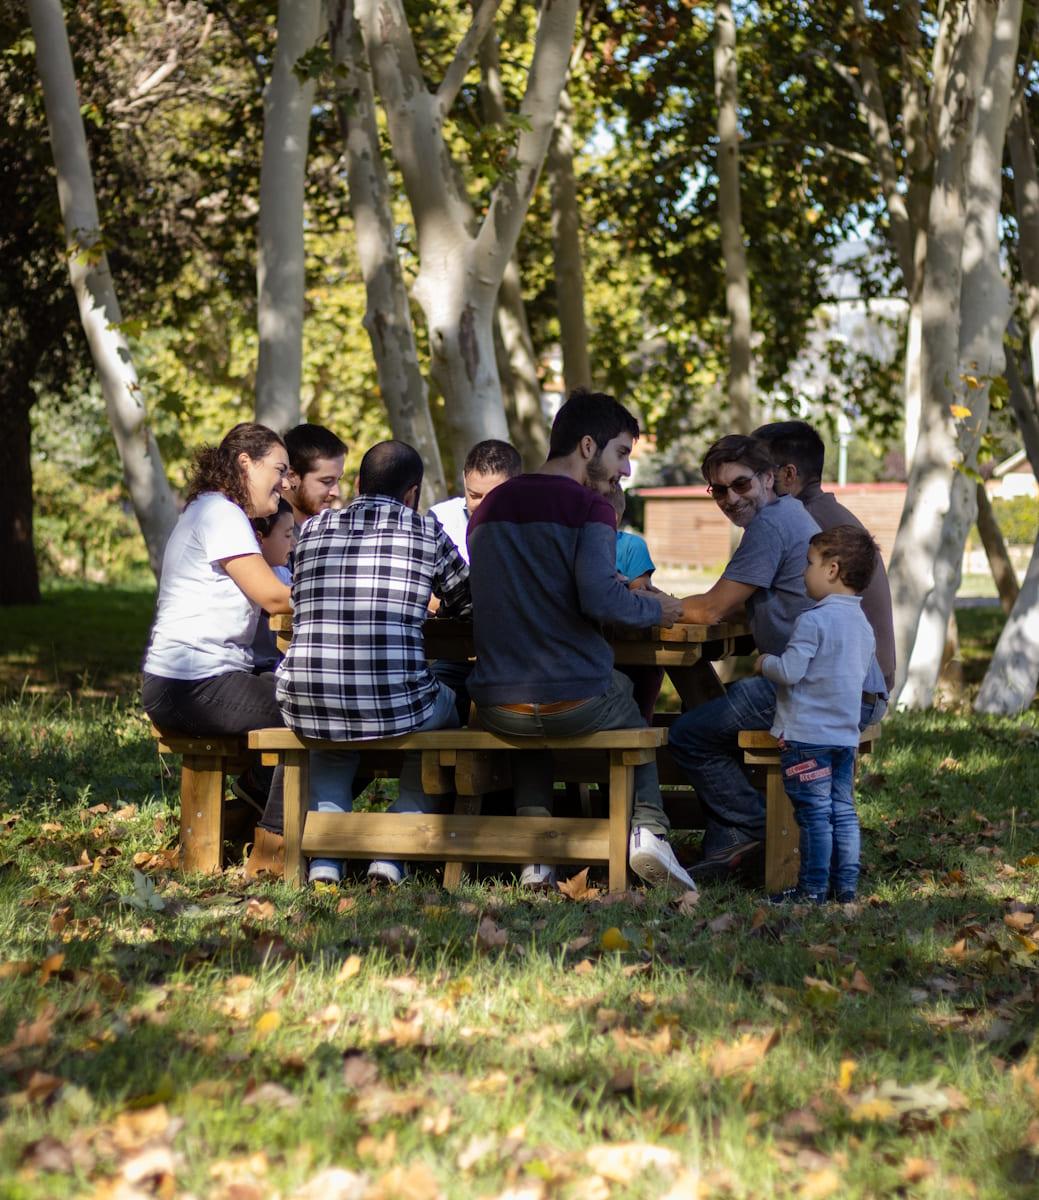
(782, 833)
(468, 762)
(206, 764)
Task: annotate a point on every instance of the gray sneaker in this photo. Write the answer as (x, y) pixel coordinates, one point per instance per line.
(653, 860)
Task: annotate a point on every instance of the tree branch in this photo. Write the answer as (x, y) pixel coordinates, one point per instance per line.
(454, 76)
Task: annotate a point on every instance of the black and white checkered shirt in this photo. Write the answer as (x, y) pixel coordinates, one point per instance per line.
(356, 667)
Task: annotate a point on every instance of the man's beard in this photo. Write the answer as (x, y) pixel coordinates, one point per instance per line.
(598, 478)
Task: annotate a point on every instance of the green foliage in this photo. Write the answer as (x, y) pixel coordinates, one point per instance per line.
(1018, 519)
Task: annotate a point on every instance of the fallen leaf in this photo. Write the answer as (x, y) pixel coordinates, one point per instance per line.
(333, 1183)
(271, 1096)
(259, 910)
(48, 1154)
(818, 1185)
(359, 1070)
(349, 968)
(858, 983)
(847, 1072)
(416, 1182)
(916, 1169)
(623, 1162)
(576, 887)
(613, 939)
(724, 923)
(42, 1086)
(478, 1147)
(687, 902)
(267, 1023)
(1020, 921)
(742, 1055)
(51, 965)
(490, 936)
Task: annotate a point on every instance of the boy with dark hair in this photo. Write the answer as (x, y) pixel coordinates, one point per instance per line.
(798, 454)
(316, 460)
(820, 678)
(487, 465)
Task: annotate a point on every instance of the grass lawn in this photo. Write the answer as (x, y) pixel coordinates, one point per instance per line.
(163, 1036)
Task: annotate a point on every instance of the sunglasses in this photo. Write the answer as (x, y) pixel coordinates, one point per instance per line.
(740, 486)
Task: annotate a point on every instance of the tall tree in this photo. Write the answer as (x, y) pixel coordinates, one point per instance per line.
(280, 265)
(737, 283)
(460, 272)
(387, 317)
(93, 285)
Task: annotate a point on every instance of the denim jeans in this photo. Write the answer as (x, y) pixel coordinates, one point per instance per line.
(704, 742)
(230, 703)
(532, 769)
(818, 780)
(332, 772)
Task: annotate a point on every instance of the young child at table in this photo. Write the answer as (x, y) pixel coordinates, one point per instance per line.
(636, 566)
(276, 536)
(820, 678)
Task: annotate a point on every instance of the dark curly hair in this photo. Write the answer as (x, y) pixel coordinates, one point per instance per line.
(216, 468)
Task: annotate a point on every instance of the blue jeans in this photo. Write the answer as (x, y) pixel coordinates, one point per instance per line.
(704, 742)
(332, 772)
(532, 769)
(818, 780)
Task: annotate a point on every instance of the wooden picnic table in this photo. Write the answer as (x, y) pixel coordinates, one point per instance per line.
(684, 651)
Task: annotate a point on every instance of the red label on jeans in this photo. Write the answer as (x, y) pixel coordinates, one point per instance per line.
(822, 773)
(801, 767)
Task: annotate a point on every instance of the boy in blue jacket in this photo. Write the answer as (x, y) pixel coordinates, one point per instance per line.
(821, 677)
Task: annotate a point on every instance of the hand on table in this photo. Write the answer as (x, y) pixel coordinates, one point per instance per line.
(670, 609)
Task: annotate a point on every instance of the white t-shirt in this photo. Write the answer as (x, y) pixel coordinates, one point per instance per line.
(455, 520)
(204, 624)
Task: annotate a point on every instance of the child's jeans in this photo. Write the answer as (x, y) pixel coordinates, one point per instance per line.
(818, 780)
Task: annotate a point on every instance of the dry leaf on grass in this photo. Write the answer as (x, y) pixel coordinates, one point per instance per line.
(622, 1162)
(687, 903)
(259, 910)
(333, 1183)
(359, 1070)
(349, 969)
(416, 1182)
(271, 1096)
(576, 887)
(819, 1185)
(490, 936)
(742, 1055)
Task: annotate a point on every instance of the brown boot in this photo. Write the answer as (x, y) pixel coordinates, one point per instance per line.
(267, 856)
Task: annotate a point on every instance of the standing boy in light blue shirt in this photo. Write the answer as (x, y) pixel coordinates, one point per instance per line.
(820, 678)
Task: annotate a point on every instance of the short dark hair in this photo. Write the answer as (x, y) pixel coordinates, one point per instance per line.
(589, 414)
(390, 469)
(795, 442)
(307, 443)
(216, 469)
(855, 551)
(493, 457)
(737, 448)
(264, 525)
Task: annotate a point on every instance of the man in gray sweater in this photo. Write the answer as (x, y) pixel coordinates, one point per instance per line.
(544, 579)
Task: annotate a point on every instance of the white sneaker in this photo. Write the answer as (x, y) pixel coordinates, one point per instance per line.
(653, 860)
(538, 877)
(382, 871)
(324, 873)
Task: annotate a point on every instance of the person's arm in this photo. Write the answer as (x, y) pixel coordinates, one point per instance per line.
(451, 578)
(723, 602)
(791, 666)
(258, 582)
(641, 582)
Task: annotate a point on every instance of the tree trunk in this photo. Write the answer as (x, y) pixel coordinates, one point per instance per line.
(92, 283)
(528, 428)
(996, 552)
(737, 283)
(460, 273)
(1026, 204)
(568, 267)
(388, 316)
(983, 307)
(19, 580)
(1010, 682)
(280, 262)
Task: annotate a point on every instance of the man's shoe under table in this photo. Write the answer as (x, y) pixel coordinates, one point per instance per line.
(460, 761)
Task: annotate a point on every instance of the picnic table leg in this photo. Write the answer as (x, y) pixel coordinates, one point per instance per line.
(454, 872)
(782, 833)
(696, 684)
(622, 800)
(201, 812)
(297, 795)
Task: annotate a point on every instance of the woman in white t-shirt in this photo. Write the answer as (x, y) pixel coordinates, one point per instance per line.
(198, 669)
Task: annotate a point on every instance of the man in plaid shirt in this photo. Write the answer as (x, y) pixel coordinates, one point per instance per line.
(357, 667)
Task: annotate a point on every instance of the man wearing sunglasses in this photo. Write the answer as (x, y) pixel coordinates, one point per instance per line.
(765, 580)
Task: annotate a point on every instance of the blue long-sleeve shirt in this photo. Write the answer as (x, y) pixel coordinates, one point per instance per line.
(828, 663)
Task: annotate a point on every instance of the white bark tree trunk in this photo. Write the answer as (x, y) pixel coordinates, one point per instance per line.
(280, 266)
(567, 264)
(1010, 681)
(387, 316)
(963, 268)
(737, 283)
(460, 273)
(92, 283)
